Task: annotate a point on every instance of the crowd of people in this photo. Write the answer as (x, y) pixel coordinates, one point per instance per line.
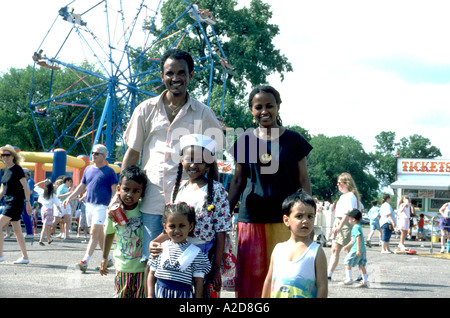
(170, 217)
(385, 221)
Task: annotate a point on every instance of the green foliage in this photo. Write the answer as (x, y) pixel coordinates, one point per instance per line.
(418, 146)
(305, 133)
(247, 41)
(332, 156)
(383, 159)
(16, 123)
(250, 46)
(387, 150)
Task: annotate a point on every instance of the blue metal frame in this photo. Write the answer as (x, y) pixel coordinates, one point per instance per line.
(122, 84)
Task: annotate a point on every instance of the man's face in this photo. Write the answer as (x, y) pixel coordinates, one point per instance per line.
(98, 157)
(176, 76)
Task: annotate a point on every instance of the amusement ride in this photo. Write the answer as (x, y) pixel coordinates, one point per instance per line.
(117, 47)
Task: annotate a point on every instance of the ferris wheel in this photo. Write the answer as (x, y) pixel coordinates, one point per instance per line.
(109, 46)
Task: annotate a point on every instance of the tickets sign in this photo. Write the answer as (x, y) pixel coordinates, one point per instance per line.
(423, 166)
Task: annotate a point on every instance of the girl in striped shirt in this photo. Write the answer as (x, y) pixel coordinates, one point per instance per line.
(182, 265)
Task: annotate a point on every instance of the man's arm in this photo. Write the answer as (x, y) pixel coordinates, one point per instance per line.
(237, 185)
(26, 191)
(303, 176)
(114, 189)
(107, 243)
(80, 188)
(131, 158)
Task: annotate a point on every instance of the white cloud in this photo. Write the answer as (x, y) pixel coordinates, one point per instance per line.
(334, 88)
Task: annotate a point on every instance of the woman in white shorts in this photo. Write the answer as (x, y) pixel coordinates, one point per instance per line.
(342, 229)
(403, 215)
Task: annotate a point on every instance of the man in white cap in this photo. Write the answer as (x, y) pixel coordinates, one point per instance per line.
(155, 129)
(100, 182)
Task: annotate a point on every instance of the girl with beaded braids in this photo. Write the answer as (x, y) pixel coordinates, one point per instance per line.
(209, 199)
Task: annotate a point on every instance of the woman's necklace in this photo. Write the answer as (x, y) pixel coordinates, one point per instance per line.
(268, 134)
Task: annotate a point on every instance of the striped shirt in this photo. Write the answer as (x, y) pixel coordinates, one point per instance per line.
(171, 269)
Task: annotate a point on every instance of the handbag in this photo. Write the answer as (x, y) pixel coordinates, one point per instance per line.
(228, 266)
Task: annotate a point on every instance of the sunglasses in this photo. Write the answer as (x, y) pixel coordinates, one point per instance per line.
(97, 153)
(6, 154)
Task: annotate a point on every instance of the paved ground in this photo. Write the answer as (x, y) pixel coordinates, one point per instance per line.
(52, 273)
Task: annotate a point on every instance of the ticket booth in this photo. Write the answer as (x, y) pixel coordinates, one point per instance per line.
(427, 183)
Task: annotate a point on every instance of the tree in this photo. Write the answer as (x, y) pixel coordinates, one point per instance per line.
(246, 37)
(332, 156)
(16, 124)
(417, 147)
(302, 131)
(387, 150)
(383, 159)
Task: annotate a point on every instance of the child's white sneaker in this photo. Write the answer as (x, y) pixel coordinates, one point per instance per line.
(22, 261)
(346, 282)
(362, 285)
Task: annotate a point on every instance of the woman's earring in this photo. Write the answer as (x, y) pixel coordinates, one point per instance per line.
(254, 120)
(279, 120)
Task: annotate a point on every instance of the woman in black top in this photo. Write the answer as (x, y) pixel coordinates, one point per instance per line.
(15, 192)
(270, 165)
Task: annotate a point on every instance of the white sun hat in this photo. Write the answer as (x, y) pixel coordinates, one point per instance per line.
(198, 140)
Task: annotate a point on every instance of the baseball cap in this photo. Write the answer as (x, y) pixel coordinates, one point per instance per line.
(355, 213)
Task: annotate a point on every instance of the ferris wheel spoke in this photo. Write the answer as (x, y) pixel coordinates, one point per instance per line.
(117, 71)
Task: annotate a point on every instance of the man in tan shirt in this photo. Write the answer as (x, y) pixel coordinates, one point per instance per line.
(155, 129)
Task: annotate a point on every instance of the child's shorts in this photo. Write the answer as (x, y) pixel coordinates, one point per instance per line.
(444, 224)
(352, 260)
(403, 224)
(375, 224)
(344, 236)
(47, 216)
(82, 221)
(172, 289)
(129, 285)
(65, 210)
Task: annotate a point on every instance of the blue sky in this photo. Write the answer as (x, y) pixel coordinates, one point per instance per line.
(412, 71)
(360, 67)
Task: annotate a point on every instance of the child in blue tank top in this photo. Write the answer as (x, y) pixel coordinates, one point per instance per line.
(357, 255)
(298, 267)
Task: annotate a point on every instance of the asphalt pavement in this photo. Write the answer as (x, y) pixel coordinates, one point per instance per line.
(51, 273)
